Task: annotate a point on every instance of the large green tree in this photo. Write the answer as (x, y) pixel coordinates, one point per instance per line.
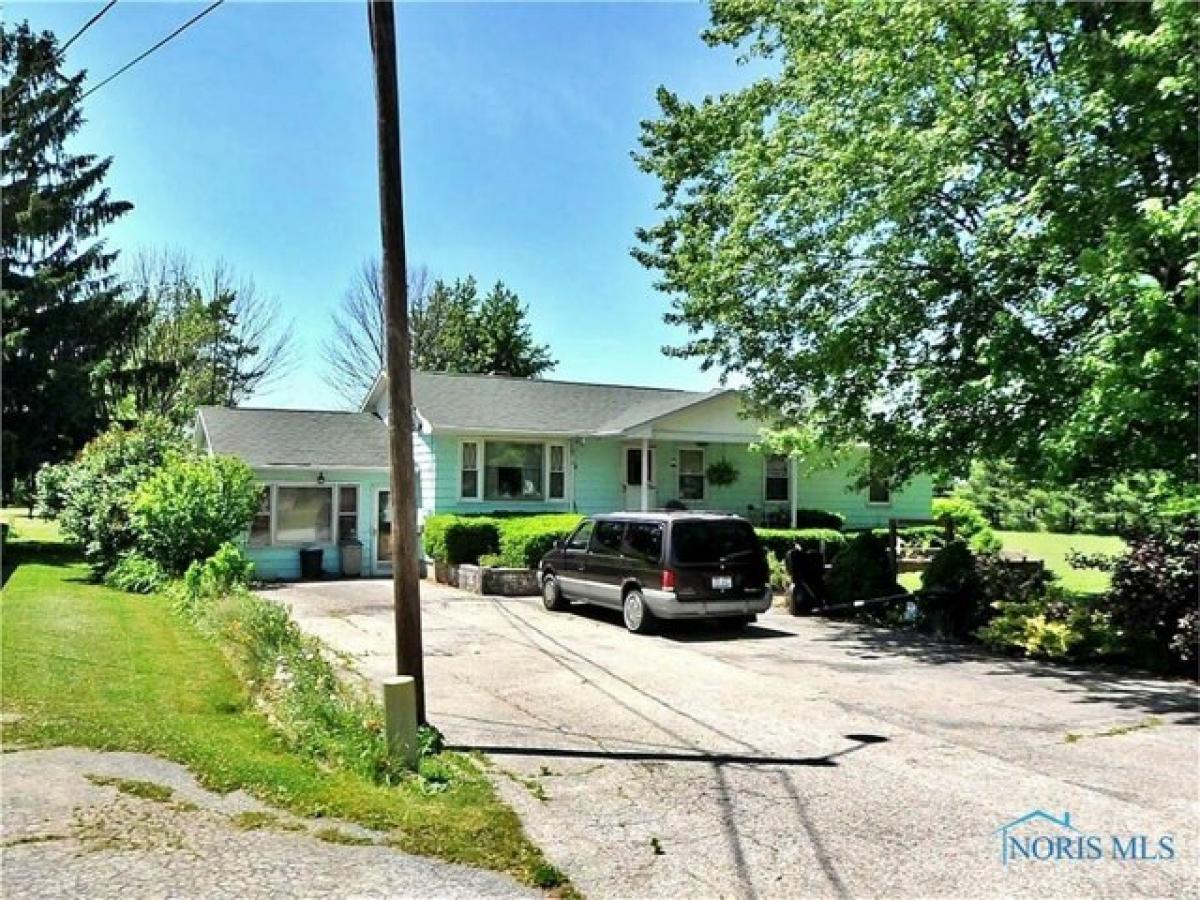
(955, 229)
(451, 329)
(63, 311)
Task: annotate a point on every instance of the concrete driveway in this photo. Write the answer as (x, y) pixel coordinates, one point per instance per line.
(799, 758)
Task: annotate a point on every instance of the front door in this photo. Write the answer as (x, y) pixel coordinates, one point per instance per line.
(633, 479)
(383, 532)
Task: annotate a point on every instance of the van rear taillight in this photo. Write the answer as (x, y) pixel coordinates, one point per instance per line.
(668, 580)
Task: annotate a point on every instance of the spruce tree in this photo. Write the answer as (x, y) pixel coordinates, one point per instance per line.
(63, 312)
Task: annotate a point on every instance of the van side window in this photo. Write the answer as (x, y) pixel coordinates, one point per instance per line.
(583, 534)
(643, 541)
(606, 540)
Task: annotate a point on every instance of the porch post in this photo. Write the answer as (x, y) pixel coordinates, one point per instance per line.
(793, 488)
(645, 474)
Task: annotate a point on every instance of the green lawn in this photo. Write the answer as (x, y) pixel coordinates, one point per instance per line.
(88, 666)
(1053, 548)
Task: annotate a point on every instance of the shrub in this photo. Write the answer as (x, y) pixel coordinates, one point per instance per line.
(95, 494)
(461, 539)
(523, 542)
(780, 540)
(959, 514)
(951, 602)
(137, 574)
(1153, 598)
(1050, 627)
(222, 573)
(190, 507)
(50, 489)
(985, 541)
(819, 518)
(862, 570)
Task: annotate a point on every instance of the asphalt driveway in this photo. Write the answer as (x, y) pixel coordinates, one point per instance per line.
(798, 758)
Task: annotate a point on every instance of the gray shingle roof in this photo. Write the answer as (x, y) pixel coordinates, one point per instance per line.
(297, 437)
(500, 403)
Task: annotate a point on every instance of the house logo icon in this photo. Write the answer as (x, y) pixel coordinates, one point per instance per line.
(1021, 839)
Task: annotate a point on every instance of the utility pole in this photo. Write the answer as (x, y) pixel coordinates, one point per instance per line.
(405, 575)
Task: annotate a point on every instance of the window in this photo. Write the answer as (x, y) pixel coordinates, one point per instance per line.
(633, 466)
(469, 485)
(643, 541)
(606, 540)
(691, 474)
(709, 542)
(776, 487)
(260, 525)
(303, 514)
(558, 472)
(512, 471)
(880, 490)
(347, 512)
(579, 540)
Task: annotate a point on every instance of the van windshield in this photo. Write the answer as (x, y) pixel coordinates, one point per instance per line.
(693, 543)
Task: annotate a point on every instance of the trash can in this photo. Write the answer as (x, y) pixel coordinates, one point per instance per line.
(351, 551)
(311, 562)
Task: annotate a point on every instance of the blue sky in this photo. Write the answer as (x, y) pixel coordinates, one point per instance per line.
(250, 138)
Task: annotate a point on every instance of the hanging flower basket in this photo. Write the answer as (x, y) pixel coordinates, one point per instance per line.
(721, 473)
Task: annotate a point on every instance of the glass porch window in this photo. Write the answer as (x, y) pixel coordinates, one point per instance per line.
(304, 514)
(260, 525)
(513, 471)
(347, 512)
(691, 474)
(558, 472)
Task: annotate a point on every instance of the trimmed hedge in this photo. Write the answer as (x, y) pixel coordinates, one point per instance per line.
(508, 539)
(461, 539)
(780, 540)
(862, 571)
(523, 542)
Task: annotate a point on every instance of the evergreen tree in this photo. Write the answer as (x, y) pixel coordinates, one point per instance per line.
(506, 340)
(63, 311)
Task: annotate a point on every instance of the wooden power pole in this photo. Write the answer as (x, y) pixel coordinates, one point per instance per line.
(405, 573)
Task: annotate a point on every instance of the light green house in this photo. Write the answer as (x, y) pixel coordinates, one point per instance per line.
(487, 443)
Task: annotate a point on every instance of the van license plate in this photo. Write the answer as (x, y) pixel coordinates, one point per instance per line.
(722, 582)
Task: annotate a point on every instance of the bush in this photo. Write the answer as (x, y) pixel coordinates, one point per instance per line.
(461, 539)
(959, 514)
(985, 541)
(523, 542)
(190, 507)
(224, 572)
(1050, 627)
(780, 540)
(862, 571)
(136, 574)
(819, 518)
(50, 489)
(94, 495)
(951, 602)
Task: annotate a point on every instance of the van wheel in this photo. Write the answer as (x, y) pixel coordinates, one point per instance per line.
(552, 595)
(636, 614)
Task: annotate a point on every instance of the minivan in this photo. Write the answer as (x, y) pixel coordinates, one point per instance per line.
(661, 565)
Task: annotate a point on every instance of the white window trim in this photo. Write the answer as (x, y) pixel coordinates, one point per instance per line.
(479, 472)
(545, 445)
(787, 477)
(679, 473)
(333, 486)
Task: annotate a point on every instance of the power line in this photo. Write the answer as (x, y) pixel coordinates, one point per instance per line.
(137, 59)
(58, 54)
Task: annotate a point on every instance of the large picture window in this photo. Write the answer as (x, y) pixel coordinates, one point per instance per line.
(513, 471)
(303, 514)
(776, 486)
(691, 474)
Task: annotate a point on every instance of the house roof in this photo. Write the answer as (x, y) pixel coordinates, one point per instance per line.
(296, 437)
(502, 403)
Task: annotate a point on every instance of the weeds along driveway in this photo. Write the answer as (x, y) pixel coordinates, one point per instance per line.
(798, 758)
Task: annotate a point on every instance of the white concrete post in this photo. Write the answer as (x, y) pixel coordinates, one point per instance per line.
(793, 488)
(645, 474)
(400, 717)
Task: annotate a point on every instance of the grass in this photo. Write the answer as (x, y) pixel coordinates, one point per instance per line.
(146, 790)
(1053, 548)
(23, 528)
(1148, 722)
(84, 665)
